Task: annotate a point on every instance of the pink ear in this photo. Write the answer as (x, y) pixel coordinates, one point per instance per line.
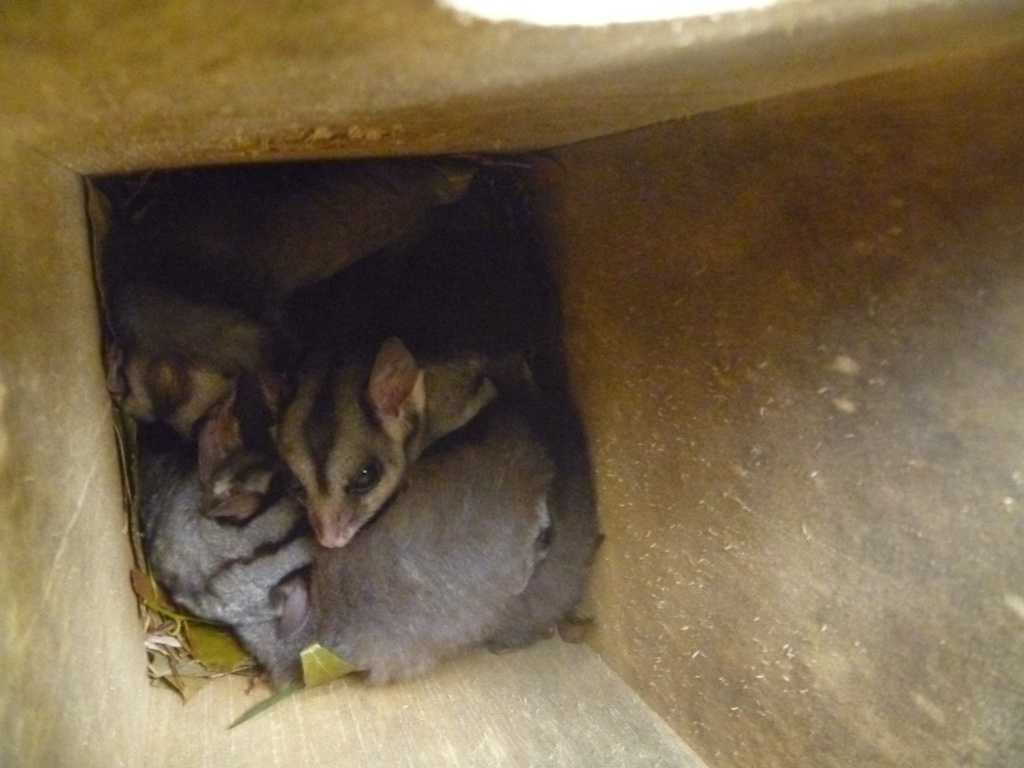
(393, 378)
(294, 595)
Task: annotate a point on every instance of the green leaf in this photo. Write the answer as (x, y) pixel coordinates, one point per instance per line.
(267, 703)
(216, 648)
(320, 665)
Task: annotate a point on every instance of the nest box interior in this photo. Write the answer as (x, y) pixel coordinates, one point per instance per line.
(789, 249)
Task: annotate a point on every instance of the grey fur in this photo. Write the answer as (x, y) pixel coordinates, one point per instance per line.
(222, 572)
(434, 574)
(484, 546)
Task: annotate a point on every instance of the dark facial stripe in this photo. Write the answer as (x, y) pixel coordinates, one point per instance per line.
(265, 549)
(320, 428)
(270, 548)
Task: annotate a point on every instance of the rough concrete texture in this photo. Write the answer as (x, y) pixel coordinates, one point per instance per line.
(797, 331)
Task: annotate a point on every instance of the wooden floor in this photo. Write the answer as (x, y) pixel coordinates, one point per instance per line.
(552, 705)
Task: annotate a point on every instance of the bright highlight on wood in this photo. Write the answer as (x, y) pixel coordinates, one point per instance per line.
(586, 14)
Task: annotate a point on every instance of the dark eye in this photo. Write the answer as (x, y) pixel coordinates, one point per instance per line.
(365, 480)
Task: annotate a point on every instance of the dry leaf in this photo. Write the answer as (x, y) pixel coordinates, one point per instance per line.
(159, 666)
(143, 585)
(163, 669)
(186, 686)
(186, 666)
(160, 642)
